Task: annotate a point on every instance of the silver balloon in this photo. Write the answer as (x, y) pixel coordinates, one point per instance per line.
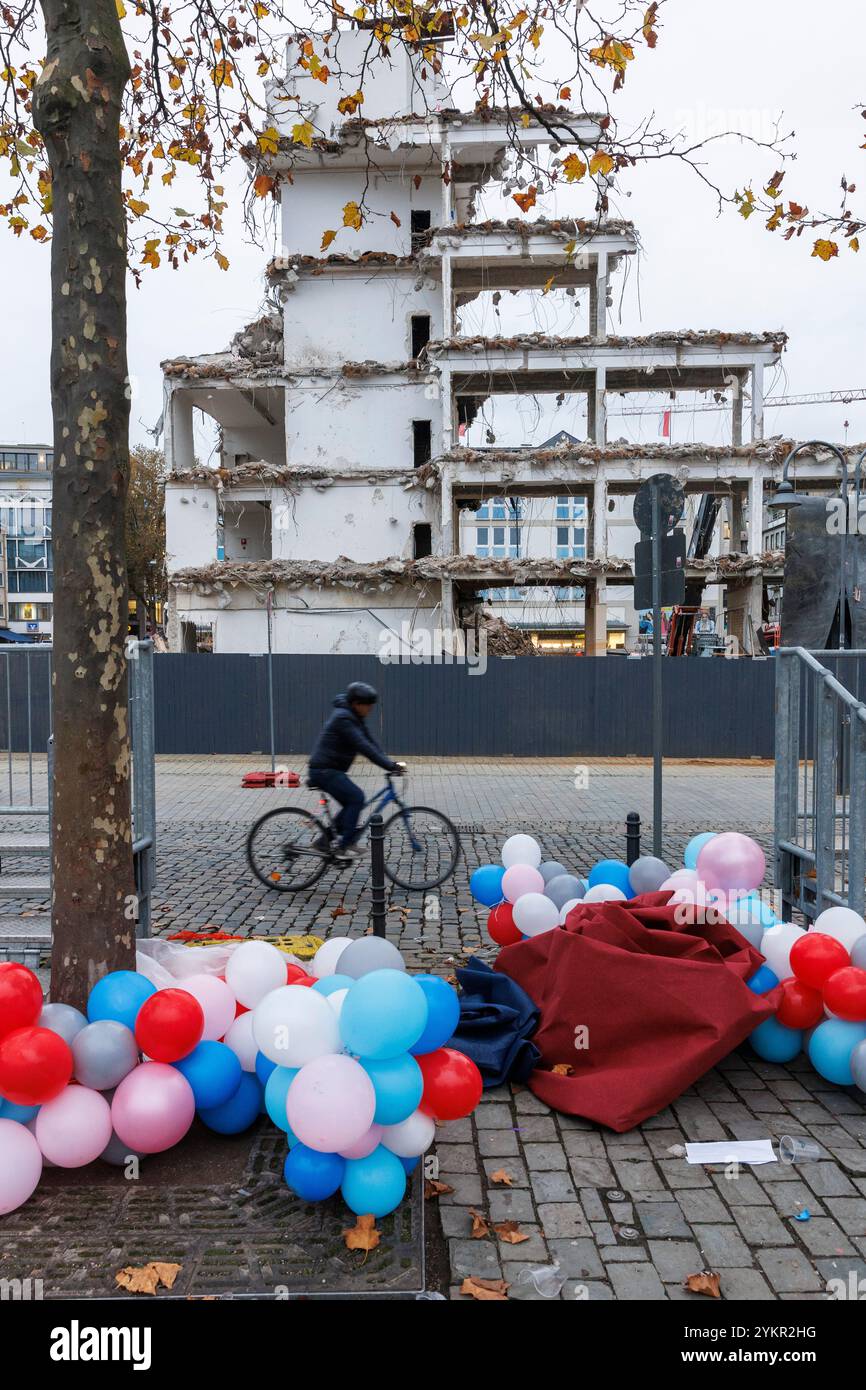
(116, 1152)
(551, 869)
(560, 889)
(103, 1054)
(370, 953)
(647, 874)
(858, 1065)
(63, 1020)
(858, 953)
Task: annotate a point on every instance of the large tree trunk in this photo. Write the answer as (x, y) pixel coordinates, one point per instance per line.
(77, 111)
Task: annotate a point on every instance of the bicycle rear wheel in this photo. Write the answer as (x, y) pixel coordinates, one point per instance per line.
(421, 848)
(285, 849)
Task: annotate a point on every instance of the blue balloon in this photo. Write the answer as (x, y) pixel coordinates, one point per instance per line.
(264, 1067)
(830, 1048)
(410, 1164)
(776, 1043)
(443, 1013)
(240, 1111)
(398, 1084)
(612, 871)
(374, 1185)
(276, 1090)
(214, 1073)
(694, 847)
(485, 885)
(331, 983)
(119, 996)
(383, 1014)
(22, 1113)
(313, 1175)
(763, 980)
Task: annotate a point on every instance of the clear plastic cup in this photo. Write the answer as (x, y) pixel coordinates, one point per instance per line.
(547, 1280)
(796, 1149)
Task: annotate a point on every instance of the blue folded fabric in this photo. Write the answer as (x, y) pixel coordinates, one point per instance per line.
(497, 1019)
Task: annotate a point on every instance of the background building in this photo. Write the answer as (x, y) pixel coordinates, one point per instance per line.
(25, 527)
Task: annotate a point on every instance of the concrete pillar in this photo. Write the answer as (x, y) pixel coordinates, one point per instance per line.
(599, 517)
(757, 401)
(745, 600)
(447, 513)
(182, 437)
(737, 413)
(447, 623)
(443, 388)
(598, 299)
(756, 512)
(598, 433)
(447, 297)
(595, 623)
(737, 518)
(447, 183)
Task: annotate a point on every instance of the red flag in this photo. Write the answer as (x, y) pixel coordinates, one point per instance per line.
(666, 425)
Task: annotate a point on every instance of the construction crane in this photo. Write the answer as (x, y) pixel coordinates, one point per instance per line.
(858, 393)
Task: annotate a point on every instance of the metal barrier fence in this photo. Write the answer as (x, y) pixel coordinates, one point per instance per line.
(820, 808)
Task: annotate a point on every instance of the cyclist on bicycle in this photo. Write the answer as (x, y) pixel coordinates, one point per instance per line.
(344, 735)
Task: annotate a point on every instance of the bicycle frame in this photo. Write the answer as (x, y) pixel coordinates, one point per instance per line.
(378, 801)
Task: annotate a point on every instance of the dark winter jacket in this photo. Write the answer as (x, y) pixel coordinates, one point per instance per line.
(345, 734)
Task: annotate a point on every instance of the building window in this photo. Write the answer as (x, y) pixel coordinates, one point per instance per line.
(419, 333)
(422, 540)
(481, 536)
(419, 222)
(422, 442)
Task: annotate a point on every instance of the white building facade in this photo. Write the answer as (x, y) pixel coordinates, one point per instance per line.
(26, 561)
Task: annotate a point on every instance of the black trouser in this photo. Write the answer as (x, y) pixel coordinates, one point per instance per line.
(344, 791)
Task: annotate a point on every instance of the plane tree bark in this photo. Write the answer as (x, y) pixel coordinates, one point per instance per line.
(77, 102)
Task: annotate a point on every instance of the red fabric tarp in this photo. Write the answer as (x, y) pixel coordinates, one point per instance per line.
(661, 1003)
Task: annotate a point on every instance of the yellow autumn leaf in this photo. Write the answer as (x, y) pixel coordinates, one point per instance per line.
(854, 244)
(825, 250)
(137, 207)
(260, 11)
(40, 233)
(601, 162)
(614, 53)
(302, 134)
(327, 238)
(269, 140)
(574, 168)
(221, 75)
(121, 9)
(352, 216)
(221, 260)
(151, 256)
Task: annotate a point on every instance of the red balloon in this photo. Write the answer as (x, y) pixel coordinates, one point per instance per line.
(452, 1084)
(169, 1025)
(240, 1009)
(500, 925)
(845, 994)
(20, 997)
(35, 1066)
(295, 975)
(801, 1007)
(816, 956)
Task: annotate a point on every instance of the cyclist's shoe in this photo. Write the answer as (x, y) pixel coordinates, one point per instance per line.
(347, 855)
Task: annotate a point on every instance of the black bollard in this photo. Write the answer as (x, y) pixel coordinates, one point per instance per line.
(377, 874)
(632, 837)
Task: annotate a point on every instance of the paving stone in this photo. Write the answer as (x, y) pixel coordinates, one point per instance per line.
(638, 1177)
(662, 1219)
(586, 1291)
(721, 1247)
(507, 1204)
(578, 1259)
(622, 1213)
(493, 1117)
(592, 1204)
(528, 1104)
(458, 1131)
(580, 1145)
(544, 1158)
(826, 1179)
(850, 1269)
(788, 1271)
(552, 1187)
(562, 1220)
(497, 1143)
(822, 1236)
(623, 1254)
(635, 1281)
(850, 1212)
(677, 1173)
(537, 1129)
(674, 1259)
(746, 1285)
(591, 1172)
(761, 1226)
(514, 1167)
(473, 1257)
(534, 1250)
(456, 1158)
(456, 1221)
(789, 1198)
(745, 1191)
(467, 1190)
(603, 1233)
(702, 1204)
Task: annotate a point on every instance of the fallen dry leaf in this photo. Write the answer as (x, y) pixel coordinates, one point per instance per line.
(147, 1278)
(362, 1236)
(480, 1229)
(510, 1233)
(706, 1282)
(434, 1188)
(563, 1069)
(500, 1176)
(340, 911)
(486, 1290)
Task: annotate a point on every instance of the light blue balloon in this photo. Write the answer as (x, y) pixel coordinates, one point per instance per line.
(399, 1085)
(830, 1048)
(694, 847)
(485, 885)
(763, 980)
(276, 1091)
(443, 1014)
(383, 1014)
(22, 1113)
(374, 1185)
(331, 983)
(775, 1043)
(612, 871)
(240, 1111)
(119, 996)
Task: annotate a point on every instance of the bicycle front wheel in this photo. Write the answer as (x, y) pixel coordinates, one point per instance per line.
(421, 848)
(286, 849)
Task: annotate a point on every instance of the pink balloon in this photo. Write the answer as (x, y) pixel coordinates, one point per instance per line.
(732, 861)
(153, 1108)
(20, 1165)
(520, 879)
(217, 1004)
(365, 1145)
(331, 1103)
(74, 1128)
(683, 878)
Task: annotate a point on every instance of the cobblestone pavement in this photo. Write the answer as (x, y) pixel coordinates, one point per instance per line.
(622, 1216)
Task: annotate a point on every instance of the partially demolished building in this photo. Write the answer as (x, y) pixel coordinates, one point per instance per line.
(343, 470)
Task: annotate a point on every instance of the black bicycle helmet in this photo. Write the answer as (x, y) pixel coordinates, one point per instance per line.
(359, 693)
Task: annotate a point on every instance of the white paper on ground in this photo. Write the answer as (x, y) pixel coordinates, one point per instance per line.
(731, 1151)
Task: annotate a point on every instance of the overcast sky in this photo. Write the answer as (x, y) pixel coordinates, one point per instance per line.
(742, 64)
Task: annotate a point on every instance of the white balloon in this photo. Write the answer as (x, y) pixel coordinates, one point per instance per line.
(325, 959)
(295, 1025)
(241, 1041)
(253, 970)
(566, 908)
(605, 893)
(521, 849)
(843, 923)
(534, 913)
(411, 1136)
(336, 1000)
(776, 946)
